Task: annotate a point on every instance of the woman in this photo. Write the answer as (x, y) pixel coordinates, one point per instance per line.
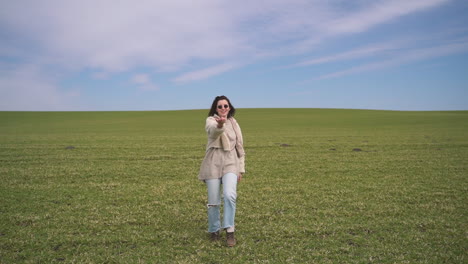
(223, 165)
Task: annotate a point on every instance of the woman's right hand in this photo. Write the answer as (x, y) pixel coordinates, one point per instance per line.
(221, 121)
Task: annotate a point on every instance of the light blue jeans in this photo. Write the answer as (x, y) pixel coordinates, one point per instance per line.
(229, 182)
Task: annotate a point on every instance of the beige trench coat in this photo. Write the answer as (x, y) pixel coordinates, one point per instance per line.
(221, 157)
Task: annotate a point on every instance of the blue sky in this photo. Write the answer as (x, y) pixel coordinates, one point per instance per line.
(168, 55)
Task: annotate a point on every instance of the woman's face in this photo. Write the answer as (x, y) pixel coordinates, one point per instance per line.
(223, 108)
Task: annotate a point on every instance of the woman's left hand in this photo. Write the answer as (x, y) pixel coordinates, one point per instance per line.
(239, 177)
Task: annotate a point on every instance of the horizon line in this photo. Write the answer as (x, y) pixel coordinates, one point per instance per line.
(237, 108)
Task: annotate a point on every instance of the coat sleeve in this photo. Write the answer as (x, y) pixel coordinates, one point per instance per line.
(242, 157)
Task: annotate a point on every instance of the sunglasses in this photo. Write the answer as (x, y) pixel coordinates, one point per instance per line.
(221, 107)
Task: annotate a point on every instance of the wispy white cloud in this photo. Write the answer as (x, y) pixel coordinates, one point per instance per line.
(141, 78)
(388, 48)
(29, 88)
(353, 54)
(374, 13)
(338, 18)
(143, 81)
(403, 57)
(205, 73)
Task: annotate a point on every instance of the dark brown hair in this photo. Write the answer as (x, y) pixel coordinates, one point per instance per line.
(232, 110)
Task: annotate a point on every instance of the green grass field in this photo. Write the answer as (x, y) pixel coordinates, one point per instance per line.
(350, 186)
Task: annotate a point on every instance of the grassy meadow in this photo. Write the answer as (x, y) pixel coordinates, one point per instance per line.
(322, 186)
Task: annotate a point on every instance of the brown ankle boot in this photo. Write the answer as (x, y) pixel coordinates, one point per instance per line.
(214, 236)
(231, 240)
